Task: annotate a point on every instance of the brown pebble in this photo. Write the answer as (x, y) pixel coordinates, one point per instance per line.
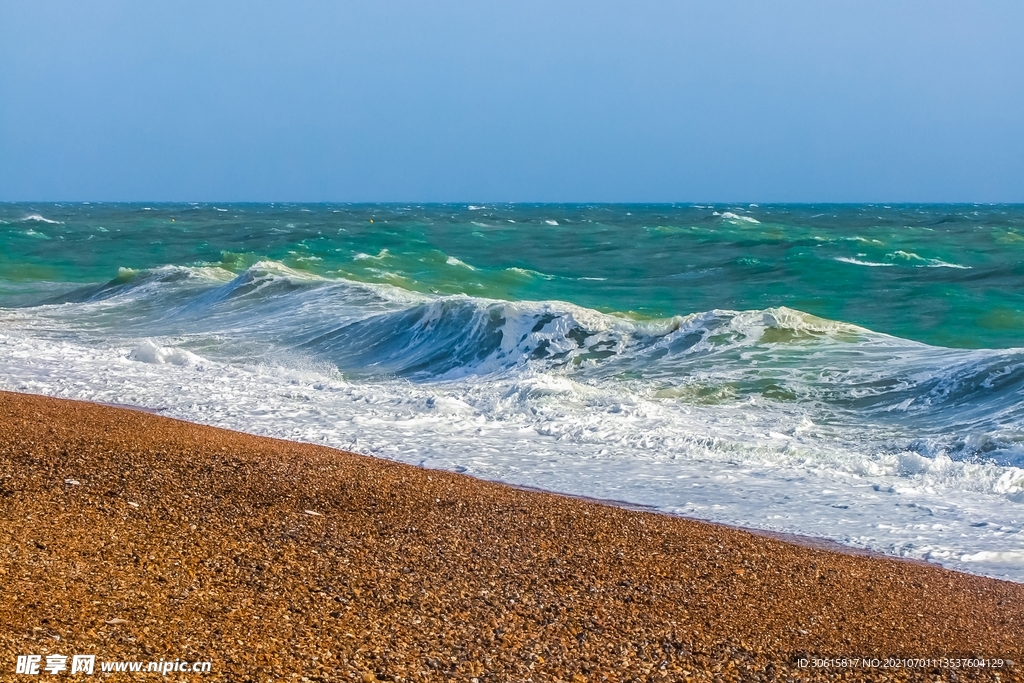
(406, 577)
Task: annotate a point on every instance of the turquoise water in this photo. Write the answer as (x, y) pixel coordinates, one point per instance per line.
(945, 275)
(851, 372)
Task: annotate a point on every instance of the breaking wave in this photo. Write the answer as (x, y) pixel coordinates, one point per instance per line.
(624, 406)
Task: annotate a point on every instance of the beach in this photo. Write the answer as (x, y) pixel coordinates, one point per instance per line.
(135, 537)
(835, 372)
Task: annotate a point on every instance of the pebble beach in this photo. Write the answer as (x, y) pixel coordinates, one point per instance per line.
(133, 536)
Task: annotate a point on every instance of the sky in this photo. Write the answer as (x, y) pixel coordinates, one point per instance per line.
(526, 101)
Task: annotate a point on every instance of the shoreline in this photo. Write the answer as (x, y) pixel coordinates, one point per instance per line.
(813, 542)
(139, 537)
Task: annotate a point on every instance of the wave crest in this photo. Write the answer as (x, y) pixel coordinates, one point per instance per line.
(36, 218)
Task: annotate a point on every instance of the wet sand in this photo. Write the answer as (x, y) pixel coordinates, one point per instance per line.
(136, 537)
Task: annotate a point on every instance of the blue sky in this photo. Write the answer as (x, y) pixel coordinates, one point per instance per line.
(390, 100)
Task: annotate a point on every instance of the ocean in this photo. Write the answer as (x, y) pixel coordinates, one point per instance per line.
(849, 372)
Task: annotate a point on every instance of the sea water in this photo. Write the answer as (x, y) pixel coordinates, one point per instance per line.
(848, 372)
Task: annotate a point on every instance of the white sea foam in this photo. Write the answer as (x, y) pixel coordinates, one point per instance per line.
(936, 263)
(530, 273)
(39, 219)
(362, 257)
(858, 262)
(1012, 557)
(728, 215)
(149, 352)
(452, 261)
(921, 261)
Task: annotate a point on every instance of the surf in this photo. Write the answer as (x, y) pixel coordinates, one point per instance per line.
(596, 356)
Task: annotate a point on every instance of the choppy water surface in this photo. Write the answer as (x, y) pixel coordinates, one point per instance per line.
(851, 372)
